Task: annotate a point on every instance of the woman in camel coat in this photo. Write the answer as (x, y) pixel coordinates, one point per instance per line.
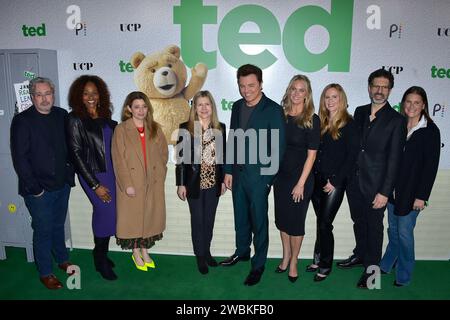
(140, 155)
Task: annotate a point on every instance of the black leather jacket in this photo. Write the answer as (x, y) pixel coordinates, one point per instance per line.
(188, 175)
(86, 146)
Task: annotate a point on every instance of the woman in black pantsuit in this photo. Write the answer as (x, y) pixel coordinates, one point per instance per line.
(334, 162)
(199, 173)
(293, 185)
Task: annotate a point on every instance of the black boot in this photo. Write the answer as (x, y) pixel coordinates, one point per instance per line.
(101, 260)
(201, 264)
(110, 262)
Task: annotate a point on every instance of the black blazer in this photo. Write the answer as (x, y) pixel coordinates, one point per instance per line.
(87, 146)
(418, 169)
(381, 146)
(335, 159)
(188, 174)
(36, 144)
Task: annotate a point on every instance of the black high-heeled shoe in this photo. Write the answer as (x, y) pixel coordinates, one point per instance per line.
(292, 279)
(279, 270)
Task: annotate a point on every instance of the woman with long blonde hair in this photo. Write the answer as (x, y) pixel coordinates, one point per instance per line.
(294, 184)
(140, 155)
(335, 160)
(201, 181)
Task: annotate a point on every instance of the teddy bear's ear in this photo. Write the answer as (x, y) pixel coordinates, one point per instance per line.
(136, 59)
(173, 49)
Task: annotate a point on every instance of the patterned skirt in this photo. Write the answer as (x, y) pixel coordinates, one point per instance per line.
(137, 243)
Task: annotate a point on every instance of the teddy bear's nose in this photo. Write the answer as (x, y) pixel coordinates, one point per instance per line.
(165, 73)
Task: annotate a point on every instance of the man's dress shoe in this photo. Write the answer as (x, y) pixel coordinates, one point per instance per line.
(253, 277)
(65, 265)
(362, 283)
(231, 261)
(350, 262)
(51, 282)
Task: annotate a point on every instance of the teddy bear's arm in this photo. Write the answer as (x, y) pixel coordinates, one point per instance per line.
(198, 78)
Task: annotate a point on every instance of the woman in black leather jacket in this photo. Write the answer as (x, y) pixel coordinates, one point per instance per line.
(199, 172)
(335, 159)
(90, 131)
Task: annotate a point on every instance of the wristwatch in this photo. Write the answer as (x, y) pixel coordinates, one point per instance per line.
(96, 186)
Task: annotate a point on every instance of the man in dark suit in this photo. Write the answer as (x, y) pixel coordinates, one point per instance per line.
(39, 154)
(382, 137)
(255, 147)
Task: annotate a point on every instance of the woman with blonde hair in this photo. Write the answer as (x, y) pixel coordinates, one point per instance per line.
(199, 173)
(294, 184)
(335, 160)
(140, 155)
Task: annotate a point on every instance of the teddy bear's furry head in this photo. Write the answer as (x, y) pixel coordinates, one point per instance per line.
(161, 74)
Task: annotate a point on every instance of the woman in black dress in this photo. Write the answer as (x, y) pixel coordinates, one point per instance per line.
(293, 186)
(334, 162)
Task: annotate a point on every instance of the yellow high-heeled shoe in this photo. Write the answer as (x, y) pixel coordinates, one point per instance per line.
(142, 268)
(150, 264)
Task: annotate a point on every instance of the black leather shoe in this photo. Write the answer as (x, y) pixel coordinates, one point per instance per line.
(253, 277)
(398, 284)
(311, 268)
(279, 270)
(292, 279)
(383, 272)
(362, 283)
(350, 262)
(231, 261)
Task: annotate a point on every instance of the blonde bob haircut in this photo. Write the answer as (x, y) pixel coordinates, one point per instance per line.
(304, 119)
(340, 119)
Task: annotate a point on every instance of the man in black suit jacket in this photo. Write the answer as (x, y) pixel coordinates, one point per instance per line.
(40, 158)
(382, 137)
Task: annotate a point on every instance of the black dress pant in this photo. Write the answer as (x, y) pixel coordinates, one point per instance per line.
(367, 224)
(203, 214)
(326, 207)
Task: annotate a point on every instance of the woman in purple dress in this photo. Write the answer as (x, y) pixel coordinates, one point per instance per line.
(90, 131)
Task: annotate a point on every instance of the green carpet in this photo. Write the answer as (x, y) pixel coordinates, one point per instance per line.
(177, 278)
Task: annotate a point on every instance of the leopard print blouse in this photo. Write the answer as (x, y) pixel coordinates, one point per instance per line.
(208, 162)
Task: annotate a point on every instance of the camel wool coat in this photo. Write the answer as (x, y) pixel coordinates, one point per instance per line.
(144, 215)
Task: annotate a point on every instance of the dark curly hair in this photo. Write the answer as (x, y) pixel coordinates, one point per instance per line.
(75, 97)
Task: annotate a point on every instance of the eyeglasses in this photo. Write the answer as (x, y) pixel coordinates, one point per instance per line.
(41, 95)
(379, 87)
